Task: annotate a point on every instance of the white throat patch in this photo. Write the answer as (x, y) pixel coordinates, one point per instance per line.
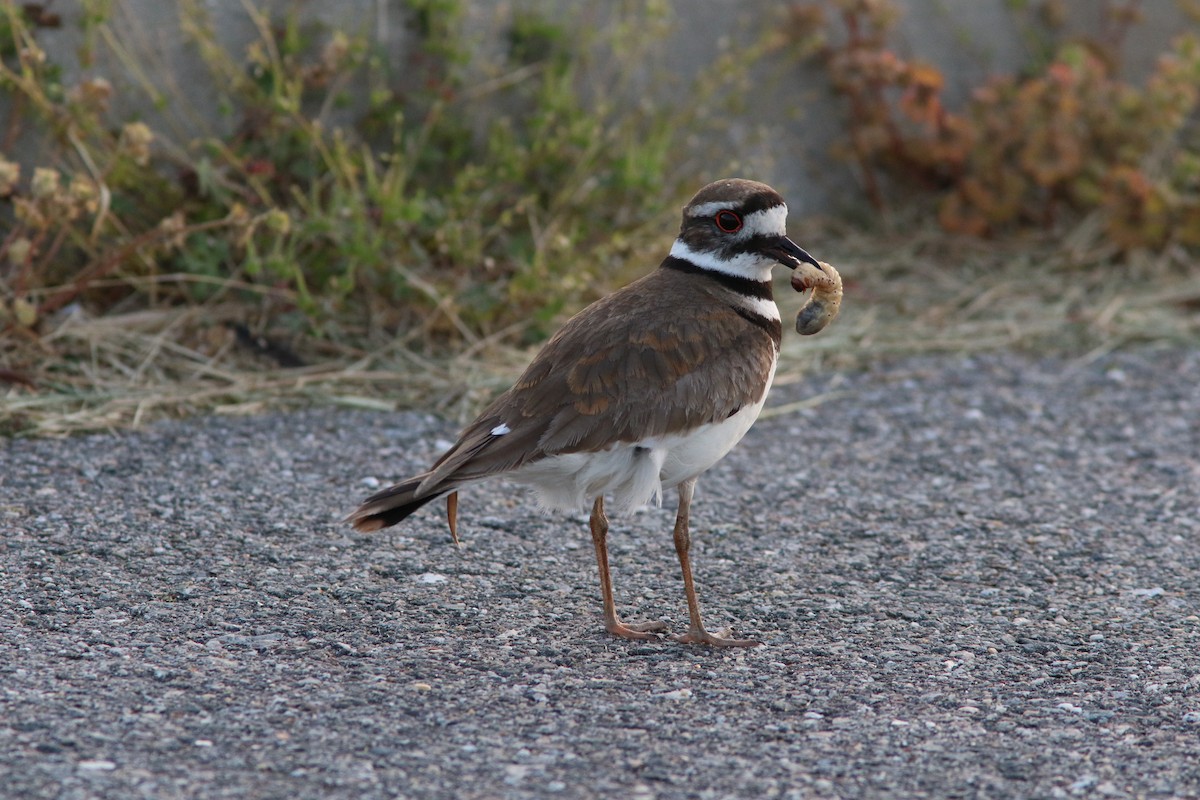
(744, 265)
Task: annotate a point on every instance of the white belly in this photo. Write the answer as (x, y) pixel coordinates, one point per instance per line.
(636, 473)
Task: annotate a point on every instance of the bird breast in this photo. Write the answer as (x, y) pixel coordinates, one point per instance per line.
(635, 473)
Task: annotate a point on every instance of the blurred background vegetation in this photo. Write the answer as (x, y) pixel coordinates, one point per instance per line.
(385, 230)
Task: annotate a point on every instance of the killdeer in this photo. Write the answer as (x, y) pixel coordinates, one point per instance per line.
(643, 390)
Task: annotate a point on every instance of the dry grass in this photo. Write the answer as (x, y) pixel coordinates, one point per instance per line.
(930, 293)
(125, 370)
(921, 293)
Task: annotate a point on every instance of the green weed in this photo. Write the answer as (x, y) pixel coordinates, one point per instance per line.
(460, 199)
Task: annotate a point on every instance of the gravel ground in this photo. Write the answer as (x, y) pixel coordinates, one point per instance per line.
(975, 577)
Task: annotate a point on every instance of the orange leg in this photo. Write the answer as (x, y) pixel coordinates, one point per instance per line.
(683, 543)
(634, 630)
(452, 516)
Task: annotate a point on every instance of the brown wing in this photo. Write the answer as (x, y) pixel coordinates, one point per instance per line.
(662, 355)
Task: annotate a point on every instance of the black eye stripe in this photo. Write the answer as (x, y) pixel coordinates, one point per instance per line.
(751, 245)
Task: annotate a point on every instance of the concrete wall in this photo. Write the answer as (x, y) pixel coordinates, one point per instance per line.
(782, 136)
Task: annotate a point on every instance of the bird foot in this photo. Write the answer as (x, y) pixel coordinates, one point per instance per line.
(719, 639)
(635, 630)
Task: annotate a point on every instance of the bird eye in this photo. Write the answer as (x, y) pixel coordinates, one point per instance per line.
(728, 221)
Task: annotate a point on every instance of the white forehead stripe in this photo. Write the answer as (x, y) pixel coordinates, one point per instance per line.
(708, 209)
(770, 221)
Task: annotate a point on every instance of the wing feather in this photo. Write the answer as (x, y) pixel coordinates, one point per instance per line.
(638, 363)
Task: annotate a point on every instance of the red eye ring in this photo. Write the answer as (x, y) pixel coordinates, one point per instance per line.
(728, 221)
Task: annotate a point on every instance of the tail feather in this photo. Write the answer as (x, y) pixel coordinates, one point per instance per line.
(393, 504)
